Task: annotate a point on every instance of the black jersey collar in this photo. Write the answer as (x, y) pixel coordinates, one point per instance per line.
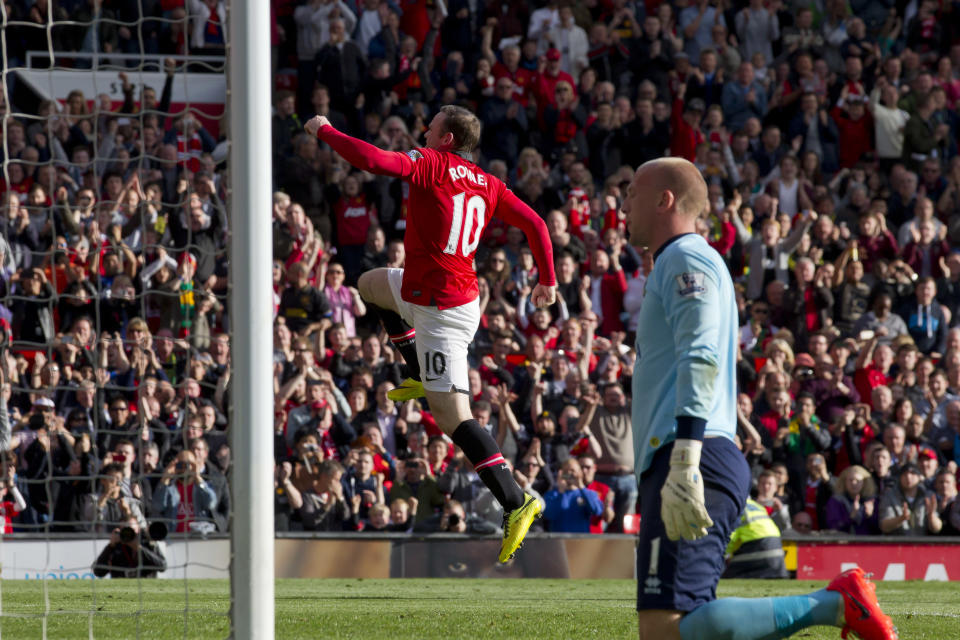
(670, 242)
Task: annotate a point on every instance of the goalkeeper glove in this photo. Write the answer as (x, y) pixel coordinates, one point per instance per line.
(682, 506)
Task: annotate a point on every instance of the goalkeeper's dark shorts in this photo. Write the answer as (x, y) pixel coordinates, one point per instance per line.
(683, 575)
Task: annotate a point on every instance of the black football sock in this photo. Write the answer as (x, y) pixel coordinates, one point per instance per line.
(402, 335)
(482, 451)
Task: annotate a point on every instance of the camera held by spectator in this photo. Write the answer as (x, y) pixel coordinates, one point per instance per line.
(132, 553)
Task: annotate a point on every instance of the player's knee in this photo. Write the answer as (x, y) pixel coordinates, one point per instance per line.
(365, 283)
(446, 416)
(658, 625)
(449, 409)
(374, 286)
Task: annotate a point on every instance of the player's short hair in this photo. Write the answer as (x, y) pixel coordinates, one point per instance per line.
(464, 125)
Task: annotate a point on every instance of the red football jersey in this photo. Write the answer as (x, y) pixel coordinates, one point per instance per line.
(451, 201)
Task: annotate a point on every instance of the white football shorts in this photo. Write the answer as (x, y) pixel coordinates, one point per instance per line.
(442, 338)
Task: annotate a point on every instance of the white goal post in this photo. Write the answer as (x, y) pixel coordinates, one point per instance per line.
(248, 103)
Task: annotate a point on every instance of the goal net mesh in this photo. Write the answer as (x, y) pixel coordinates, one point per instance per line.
(114, 317)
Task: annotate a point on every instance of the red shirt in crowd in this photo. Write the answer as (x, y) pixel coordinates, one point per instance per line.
(684, 140)
(411, 82)
(771, 421)
(596, 522)
(810, 312)
(810, 504)
(544, 90)
(186, 508)
(842, 460)
(856, 137)
(869, 378)
(415, 19)
(354, 217)
(523, 80)
(726, 240)
(615, 219)
(8, 511)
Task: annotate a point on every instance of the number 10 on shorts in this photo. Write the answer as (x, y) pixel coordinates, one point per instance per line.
(434, 364)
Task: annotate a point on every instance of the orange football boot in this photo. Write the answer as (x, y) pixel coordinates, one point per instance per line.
(862, 615)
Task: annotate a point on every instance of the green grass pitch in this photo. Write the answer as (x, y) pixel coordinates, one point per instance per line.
(394, 609)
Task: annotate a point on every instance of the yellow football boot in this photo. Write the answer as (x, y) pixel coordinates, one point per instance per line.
(516, 524)
(409, 389)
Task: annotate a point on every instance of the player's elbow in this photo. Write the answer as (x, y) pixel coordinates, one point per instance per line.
(699, 377)
(368, 165)
(703, 367)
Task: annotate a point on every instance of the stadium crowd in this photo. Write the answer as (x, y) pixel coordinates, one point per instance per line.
(826, 131)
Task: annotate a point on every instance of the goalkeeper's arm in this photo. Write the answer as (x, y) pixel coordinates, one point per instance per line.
(693, 316)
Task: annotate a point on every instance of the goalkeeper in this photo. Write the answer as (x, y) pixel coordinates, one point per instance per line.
(694, 480)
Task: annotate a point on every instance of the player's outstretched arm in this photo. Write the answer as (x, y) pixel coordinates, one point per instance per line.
(360, 154)
(513, 211)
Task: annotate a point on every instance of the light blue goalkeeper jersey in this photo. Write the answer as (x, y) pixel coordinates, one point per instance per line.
(686, 347)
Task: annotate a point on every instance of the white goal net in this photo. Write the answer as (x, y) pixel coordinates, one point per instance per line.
(115, 423)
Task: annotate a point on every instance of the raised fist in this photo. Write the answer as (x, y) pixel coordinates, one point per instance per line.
(314, 124)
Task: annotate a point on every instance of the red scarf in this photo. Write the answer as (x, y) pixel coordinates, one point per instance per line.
(189, 150)
(186, 511)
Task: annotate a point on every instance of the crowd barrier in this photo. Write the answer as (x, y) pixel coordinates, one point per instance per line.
(67, 557)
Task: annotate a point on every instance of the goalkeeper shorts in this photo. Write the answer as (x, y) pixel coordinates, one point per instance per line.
(683, 575)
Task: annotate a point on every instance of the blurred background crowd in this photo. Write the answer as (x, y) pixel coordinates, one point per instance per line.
(826, 131)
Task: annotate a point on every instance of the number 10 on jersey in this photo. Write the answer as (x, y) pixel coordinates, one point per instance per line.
(461, 224)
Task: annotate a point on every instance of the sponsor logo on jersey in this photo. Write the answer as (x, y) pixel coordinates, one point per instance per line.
(690, 283)
(355, 212)
(414, 155)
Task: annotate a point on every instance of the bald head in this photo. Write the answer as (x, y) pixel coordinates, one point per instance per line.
(682, 180)
(664, 199)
